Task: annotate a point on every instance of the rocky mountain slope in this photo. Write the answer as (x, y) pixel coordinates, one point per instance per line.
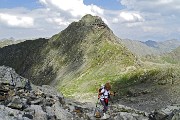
(21, 100)
(25, 54)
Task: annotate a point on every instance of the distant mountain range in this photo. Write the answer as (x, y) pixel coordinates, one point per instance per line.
(9, 41)
(166, 46)
(11, 38)
(150, 47)
(173, 56)
(151, 43)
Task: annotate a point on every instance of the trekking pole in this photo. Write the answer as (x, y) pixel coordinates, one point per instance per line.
(97, 102)
(110, 107)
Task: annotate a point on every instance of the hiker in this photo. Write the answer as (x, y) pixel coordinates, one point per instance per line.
(104, 95)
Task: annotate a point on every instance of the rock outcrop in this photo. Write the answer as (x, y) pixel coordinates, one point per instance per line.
(21, 100)
(171, 112)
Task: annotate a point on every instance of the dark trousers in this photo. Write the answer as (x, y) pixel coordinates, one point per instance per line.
(105, 104)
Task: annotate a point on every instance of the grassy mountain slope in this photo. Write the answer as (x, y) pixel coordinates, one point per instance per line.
(89, 53)
(169, 45)
(149, 89)
(173, 57)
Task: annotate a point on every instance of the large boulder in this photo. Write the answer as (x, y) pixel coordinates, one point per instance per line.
(9, 76)
(16, 103)
(171, 112)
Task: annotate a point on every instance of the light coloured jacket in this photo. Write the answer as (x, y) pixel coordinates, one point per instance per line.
(105, 94)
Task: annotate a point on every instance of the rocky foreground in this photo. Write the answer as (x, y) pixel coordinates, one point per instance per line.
(21, 100)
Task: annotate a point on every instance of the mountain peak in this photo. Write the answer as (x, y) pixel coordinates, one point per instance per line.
(90, 20)
(151, 43)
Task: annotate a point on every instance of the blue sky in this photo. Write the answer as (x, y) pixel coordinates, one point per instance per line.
(134, 19)
(32, 4)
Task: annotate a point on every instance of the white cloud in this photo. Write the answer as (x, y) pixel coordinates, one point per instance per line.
(128, 18)
(74, 7)
(16, 21)
(96, 9)
(58, 21)
(131, 17)
(152, 29)
(165, 1)
(115, 20)
(162, 6)
(147, 19)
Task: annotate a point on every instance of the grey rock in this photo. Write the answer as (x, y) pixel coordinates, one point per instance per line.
(16, 103)
(50, 113)
(50, 91)
(61, 113)
(37, 101)
(176, 116)
(28, 116)
(168, 113)
(29, 112)
(12, 113)
(49, 101)
(9, 76)
(39, 113)
(129, 116)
